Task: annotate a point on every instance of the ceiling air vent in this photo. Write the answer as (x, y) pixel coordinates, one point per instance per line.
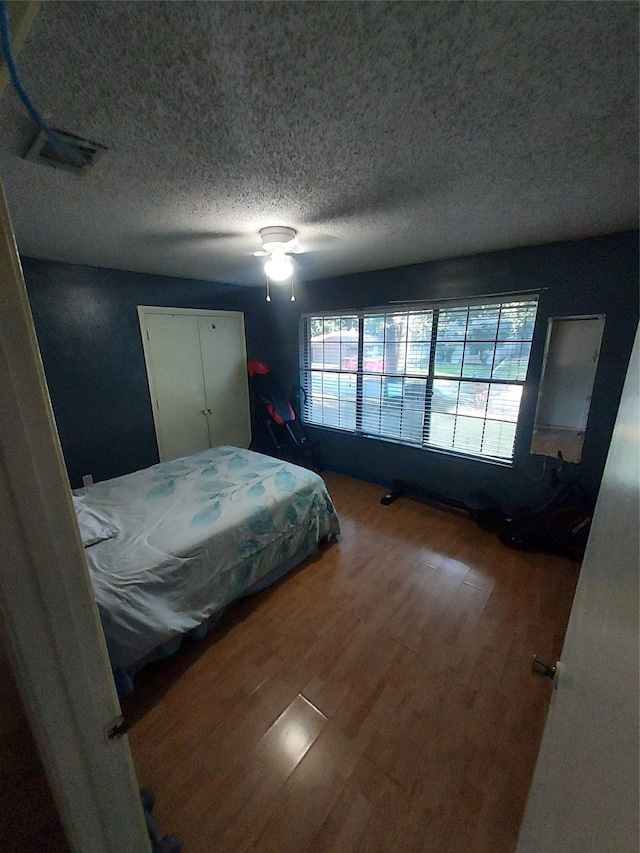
(73, 154)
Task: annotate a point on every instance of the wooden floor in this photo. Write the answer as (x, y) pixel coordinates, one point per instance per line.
(379, 699)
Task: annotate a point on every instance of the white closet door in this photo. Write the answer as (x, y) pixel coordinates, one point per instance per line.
(177, 388)
(224, 364)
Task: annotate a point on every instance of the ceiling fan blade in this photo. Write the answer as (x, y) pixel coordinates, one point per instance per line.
(177, 237)
(317, 243)
(386, 197)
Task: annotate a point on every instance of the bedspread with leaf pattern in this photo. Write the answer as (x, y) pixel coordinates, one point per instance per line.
(194, 534)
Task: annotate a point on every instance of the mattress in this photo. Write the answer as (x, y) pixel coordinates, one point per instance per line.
(193, 535)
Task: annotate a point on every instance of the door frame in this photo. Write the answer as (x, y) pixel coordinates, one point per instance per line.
(51, 631)
(584, 793)
(143, 311)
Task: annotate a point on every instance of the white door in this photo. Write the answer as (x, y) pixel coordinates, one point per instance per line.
(224, 362)
(178, 398)
(584, 796)
(197, 370)
(49, 623)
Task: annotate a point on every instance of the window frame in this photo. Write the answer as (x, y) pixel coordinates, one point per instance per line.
(420, 307)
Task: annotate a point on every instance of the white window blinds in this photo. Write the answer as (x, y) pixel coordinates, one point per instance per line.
(442, 377)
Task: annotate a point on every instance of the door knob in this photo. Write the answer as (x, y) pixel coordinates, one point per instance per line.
(539, 667)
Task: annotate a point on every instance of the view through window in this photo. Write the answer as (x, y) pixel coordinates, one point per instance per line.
(448, 378)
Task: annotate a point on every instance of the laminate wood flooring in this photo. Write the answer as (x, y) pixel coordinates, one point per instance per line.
(380, 698)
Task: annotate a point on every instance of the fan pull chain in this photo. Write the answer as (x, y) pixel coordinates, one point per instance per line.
(293, 293)
(268, 293)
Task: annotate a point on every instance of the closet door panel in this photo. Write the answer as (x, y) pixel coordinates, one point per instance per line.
(224, 364)
(177, 392)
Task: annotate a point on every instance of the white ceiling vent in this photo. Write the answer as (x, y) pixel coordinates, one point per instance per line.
(69, 152)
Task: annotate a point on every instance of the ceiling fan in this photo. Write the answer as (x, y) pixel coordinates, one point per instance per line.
(279, 245)
(278, 242)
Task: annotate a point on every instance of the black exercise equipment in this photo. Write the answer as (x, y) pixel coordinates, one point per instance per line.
(480, 506)
(560, 526)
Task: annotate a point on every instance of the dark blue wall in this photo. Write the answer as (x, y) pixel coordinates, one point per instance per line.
(87, 327)
(591, 276)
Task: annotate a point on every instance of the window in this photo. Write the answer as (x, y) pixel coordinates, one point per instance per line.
(448, 378)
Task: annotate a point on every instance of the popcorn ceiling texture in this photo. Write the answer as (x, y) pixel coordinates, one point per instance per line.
(386, 133)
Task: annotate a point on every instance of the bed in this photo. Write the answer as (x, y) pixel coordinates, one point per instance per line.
(170, 547)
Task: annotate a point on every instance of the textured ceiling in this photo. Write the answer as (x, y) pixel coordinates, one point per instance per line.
(386, 133)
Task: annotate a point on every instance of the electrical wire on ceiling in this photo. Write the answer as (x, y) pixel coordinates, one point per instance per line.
(7, 52)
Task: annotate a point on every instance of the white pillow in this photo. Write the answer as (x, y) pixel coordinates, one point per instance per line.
(94, 527)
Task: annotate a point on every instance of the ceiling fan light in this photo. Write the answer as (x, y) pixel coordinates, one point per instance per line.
(278, 267)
